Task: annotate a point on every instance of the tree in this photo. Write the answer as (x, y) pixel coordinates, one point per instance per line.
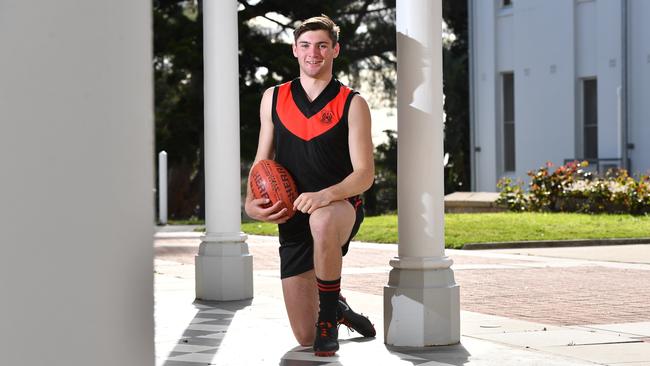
(265, 59)
(382, 196)
(178, 85)
(456, 90)
(368, 44)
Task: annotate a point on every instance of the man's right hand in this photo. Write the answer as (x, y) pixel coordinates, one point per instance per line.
(276, 214)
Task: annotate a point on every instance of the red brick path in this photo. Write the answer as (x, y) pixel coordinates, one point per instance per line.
(549, 295)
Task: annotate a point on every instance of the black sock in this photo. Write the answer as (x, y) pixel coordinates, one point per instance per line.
(328, 295)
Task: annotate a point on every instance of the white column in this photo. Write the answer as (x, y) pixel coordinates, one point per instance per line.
(421, 300)
(224, 268)
(76, 145)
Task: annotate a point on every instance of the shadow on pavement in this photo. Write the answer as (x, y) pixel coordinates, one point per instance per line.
(373, 352)
(201, 339)
(449, 355)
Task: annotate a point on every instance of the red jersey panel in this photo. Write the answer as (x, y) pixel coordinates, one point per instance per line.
(295, 120)
(311, 137)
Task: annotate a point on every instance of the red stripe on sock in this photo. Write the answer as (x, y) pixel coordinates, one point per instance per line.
(327, 288)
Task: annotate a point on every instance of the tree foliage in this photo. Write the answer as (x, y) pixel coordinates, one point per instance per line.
(178, 89)
(265, 59)
(367, 41)
(456, 90)
(382, 197)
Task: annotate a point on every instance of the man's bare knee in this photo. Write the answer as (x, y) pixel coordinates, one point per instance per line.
(305, 337)
(305, 340)
(321, 224)
(331, 222)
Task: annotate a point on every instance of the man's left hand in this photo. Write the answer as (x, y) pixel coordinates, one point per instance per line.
(309, 202)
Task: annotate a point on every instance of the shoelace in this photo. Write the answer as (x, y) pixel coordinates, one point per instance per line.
(347, 325)
(324, 326)
(343, 320)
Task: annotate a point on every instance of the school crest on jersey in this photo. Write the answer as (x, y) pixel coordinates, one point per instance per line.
(326, 117)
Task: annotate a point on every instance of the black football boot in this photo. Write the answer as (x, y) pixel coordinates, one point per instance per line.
(326, 343)
(354, 321)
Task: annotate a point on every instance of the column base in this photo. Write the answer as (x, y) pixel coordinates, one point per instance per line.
(421, 308)
(224, 271)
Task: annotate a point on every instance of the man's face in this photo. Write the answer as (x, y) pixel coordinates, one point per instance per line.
(315, 53)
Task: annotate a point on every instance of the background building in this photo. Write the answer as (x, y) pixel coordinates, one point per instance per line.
(557, 80)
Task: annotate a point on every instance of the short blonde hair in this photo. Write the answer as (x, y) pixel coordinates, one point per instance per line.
(322, 22)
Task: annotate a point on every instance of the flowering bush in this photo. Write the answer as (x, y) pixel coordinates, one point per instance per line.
(512, 195)
(570, 188)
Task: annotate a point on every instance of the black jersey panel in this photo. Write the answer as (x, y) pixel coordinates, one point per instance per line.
(307, 107)
(322, 161)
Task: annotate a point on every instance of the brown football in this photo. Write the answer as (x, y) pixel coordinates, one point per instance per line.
(271, 180)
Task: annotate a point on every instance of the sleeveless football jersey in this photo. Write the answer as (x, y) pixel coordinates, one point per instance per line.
(311, 137)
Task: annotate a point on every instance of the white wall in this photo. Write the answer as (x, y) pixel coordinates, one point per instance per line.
(485, 83)
(639, 84)
(505, 56)
(599, 55)
(550, 46)
(76, 201)
(608, 66)
(505, 62)
(586, 47)
(544, 88)
(586, 39)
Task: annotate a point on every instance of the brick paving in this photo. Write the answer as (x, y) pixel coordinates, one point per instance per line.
(557, 296)
(566, 295)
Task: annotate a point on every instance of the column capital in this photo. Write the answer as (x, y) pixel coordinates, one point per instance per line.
(421, 262)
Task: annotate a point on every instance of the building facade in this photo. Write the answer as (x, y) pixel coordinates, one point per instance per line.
(556, 81)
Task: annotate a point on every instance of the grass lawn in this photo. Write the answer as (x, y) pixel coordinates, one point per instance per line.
(462, 229)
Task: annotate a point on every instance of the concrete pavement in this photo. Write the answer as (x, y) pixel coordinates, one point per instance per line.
(561, 306)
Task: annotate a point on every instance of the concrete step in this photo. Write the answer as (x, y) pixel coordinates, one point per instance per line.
(472, 202)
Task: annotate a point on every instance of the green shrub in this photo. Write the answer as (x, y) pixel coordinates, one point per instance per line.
(512, 195)
(571, 188)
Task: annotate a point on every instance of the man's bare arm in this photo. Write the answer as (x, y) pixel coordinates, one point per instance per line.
(265, 150)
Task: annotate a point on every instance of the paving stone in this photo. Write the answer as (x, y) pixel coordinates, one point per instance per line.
(506, 298)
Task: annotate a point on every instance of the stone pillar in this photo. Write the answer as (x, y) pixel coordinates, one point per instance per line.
(224, 268)
(421, 300)
(76, 149)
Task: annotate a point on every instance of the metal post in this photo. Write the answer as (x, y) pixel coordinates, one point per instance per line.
(162, 188)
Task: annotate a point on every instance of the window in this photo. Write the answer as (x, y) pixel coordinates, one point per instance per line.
(590, 118)
(508, 122)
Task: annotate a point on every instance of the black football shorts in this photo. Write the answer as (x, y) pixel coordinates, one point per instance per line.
(297, 245)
